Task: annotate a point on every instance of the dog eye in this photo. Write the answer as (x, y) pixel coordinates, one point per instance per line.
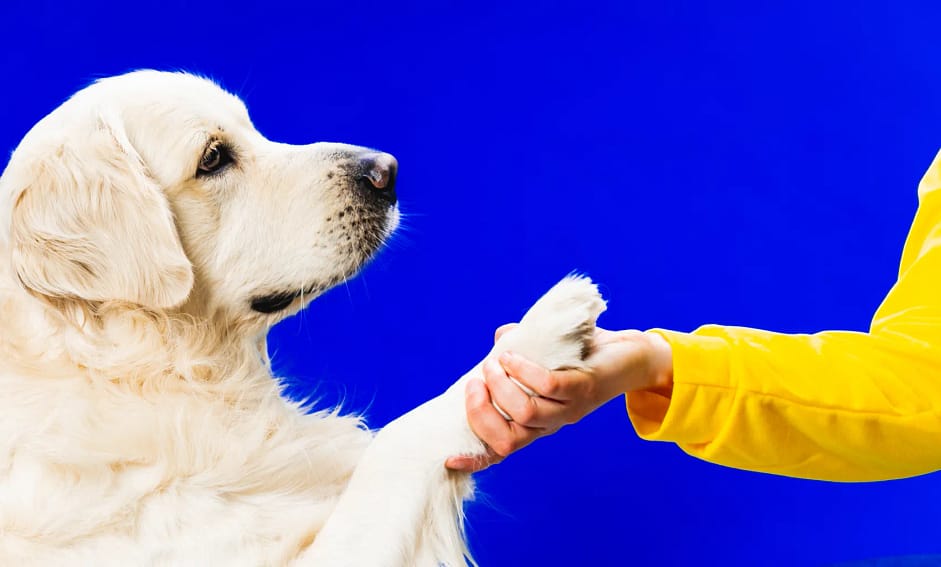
(216, 157)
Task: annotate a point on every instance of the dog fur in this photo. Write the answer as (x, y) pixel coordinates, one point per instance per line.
(139, 420)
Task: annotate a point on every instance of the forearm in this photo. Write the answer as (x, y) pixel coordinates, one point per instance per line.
(835, 406)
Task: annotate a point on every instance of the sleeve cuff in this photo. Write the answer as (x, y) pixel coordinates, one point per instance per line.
(702, 395)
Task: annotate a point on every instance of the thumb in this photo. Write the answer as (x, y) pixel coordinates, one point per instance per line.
(503, 329)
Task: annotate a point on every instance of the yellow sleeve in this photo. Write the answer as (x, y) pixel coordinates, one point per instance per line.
(835, 405)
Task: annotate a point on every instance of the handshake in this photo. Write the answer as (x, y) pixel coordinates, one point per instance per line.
(519, 401)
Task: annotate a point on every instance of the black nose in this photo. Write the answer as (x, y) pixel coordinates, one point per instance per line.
(378, 172)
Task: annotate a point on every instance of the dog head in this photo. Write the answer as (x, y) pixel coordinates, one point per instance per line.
(154, 189)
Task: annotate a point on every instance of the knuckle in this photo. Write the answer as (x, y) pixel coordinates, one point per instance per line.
(550, 384)
(570, 417)
(488, 435)
(478, 412)
(475, 402)
(518, 443)
(526, 413)
(591, 390)
(474, 409)
(516, 402)
(491, 371)
(503, 447)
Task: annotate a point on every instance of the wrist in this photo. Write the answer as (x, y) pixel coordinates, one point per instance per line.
(660, 362)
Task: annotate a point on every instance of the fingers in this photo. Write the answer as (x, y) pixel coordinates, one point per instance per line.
(533, 376)
(502, 329)
(486, 423)
(502, 437)
(484, 419)
(527, 410)
(559, 386)
(537, 401)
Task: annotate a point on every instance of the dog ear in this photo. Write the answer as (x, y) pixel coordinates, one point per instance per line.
(91, 224)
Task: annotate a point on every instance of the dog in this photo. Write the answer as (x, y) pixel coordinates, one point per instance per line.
(149, 238)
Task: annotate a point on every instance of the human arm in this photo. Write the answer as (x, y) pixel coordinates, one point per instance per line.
(836, 405)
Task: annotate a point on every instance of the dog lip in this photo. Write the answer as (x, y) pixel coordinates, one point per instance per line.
(273, 303)
(279, 301)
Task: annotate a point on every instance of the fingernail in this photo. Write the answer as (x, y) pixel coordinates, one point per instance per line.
(507, 356)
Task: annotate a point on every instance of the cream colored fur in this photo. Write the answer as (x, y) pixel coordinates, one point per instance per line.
(139, 421)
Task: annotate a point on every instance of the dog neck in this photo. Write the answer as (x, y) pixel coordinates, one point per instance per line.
(130, 346)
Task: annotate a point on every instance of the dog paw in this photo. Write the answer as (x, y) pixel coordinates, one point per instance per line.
(557, 330)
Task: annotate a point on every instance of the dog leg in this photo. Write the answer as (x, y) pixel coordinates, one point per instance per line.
(402, 507)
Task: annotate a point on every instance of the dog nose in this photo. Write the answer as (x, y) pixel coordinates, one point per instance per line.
(379, 170)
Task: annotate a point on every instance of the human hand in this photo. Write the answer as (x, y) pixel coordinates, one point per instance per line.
(620, 361)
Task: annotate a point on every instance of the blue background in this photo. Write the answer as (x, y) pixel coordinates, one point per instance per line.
(705, 162)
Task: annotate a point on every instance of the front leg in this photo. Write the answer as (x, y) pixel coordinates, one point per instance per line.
(402, 507)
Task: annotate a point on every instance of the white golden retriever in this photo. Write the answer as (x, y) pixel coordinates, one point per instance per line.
(149, 238)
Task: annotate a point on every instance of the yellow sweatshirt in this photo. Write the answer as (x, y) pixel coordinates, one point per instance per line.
(836, 405)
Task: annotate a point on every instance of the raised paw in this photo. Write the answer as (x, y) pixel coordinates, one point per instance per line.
(557, 330)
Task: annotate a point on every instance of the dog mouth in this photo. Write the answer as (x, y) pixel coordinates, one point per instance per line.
(279, 301)
(374, 220)
(374, 232)
(273, 303)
